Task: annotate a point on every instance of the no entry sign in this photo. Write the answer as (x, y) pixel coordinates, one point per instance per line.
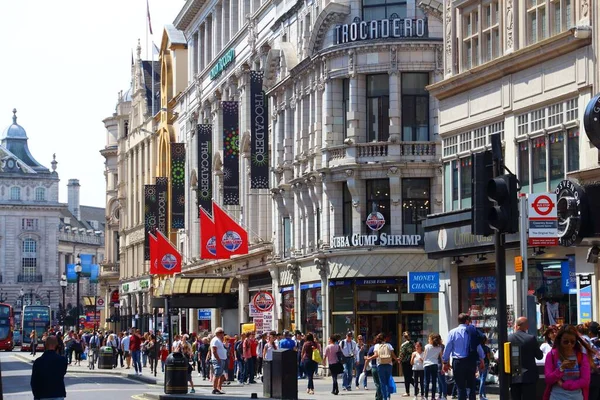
(543, 221)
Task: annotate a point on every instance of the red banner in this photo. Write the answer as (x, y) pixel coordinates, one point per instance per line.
(164, 257)
(208, 242)
(231, 238)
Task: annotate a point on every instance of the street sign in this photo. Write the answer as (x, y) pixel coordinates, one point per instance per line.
(99, 303)
(263, 301)
(518, 264)
(543, 220)
(204, 315)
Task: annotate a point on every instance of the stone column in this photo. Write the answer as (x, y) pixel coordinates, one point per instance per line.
(225, 22)
(327, 117)
(277, 311)
(244, 298)
(233, 17)
(395, 200)
(322, 266)
(395, 107)
(217, 28)
(294, 270)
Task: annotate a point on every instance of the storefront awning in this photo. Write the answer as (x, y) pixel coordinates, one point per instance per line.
(191, 285)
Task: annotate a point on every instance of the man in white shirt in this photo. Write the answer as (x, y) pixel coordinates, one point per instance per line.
(218, 358)
(177, 345)
(350, 351)
(125, 348)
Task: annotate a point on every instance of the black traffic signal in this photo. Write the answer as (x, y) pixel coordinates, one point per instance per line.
(482, 172)
(504, 215)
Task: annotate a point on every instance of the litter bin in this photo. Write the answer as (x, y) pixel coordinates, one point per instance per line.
(105, 358)
(284, 375)
(176, 370)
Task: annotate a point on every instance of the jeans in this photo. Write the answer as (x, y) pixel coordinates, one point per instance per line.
(203, 367)
(408, 375)
(482, 376)
(464, 377)
(144, 359)
(310, 367)
(419, 386)
(162, 365)
(377, 384)
(359, 369)
(240, 370)
(431, 375)
(249, 370)
(442, 383)
(385, 372)
(348, 366)
(137, 365)
(69, 354)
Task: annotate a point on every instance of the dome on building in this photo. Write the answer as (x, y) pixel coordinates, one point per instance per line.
(14, 131)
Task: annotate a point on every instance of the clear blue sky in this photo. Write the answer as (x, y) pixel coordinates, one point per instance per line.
(62, 66)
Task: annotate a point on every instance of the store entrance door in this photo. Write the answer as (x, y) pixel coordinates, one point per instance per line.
(371, 325)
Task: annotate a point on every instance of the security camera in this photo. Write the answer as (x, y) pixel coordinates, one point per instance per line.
(592, 255)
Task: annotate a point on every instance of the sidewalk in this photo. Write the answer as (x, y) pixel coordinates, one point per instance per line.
(234, 390)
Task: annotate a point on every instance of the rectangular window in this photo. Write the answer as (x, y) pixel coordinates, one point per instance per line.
(378, 200)
(538, 167)
(465, 182)
(537, 21)
(29, 224)
(40, 194)
(287, 236)
(447, 187)
(378, 107)
(524, 165)
(415, 205)
(15, 193)
(346, 210)
(573, 150)
(346, 103)
(557, 158)
(384, 9)
(455, 185)
(415, 107)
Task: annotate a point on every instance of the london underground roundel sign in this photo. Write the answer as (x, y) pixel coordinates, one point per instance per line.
(263, 301)
(375, 221)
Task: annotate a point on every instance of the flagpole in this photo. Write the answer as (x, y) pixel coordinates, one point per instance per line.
(239, 223)
(152, 91)
(147, 26)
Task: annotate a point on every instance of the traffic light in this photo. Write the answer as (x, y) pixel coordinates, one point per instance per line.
(482, 172)
(504, 214)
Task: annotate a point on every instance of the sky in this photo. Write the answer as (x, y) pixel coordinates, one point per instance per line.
(63, 64)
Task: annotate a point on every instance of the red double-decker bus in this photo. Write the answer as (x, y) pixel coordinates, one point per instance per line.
(7, 325)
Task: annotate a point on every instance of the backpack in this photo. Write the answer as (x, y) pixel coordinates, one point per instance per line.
(239, 352)
(385, 354)
(94, 342)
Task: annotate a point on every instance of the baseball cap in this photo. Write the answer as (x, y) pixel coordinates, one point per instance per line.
(219, 330)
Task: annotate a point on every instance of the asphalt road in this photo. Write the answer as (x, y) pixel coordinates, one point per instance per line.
(16, 375)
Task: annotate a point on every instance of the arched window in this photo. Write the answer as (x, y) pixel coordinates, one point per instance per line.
(15, 193)
(40, 194)
(29, 260)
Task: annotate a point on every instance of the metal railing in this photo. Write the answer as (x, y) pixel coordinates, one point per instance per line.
(381, 152)
(22, 278)
(88, 239)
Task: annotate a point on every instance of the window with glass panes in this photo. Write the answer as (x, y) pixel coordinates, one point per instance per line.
(490, 47)
(29, 257)
(470, 38)
(480, 33)
(346, 103)
(378, 200)
(346, 210)
(382, 9)
(415, 205)
(378, 107)
(548, 17)
(15, 193)
(523, 171)
(415, 107)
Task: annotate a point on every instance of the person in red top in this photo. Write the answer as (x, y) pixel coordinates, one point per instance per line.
(164, 353)
(135, 343)
(250, 355)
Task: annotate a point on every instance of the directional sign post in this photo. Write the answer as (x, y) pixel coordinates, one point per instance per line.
(543, 220)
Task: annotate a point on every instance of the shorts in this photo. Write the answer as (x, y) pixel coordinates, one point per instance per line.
(126, 354)
(218, 367)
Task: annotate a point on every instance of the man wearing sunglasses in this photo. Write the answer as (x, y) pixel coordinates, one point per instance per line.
(523, 386)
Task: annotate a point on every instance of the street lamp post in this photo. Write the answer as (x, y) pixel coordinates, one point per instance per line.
(2, 298)
(78, 272)
(63, 287)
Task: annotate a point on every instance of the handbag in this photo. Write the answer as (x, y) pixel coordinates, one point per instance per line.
(392, 385)
(316, 356)
(336, 368)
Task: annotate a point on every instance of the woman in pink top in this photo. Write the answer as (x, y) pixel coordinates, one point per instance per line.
(334, 365)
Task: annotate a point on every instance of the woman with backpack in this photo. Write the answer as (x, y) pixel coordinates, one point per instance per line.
(567, 369)
(384, 354)
(336, 366)
(310, 366)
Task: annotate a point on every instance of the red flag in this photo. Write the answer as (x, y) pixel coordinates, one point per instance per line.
(153, 254)
(208, 242)
(166, 260)
(149, 21)
(231, 238)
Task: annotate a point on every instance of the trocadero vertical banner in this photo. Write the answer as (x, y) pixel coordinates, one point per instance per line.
(177, 185)
(205, 178)
(259, 148)
(231, 152)
(149, 216)
(162, 204)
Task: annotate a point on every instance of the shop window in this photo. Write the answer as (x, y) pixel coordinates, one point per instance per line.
(524, 166)
(573, 150)
(545, 282)
(288, 308)
(378, 107)
(415, 107)
(538, 153)
(380, 298)
(478, 299)
(557, 158)
(415, 205)
(382, 9)
(312, 311)
(455, 185)
(343, 298)
(378, 200)
(466, 170)
(346, 103)
(343, 323)
(346, 210)
(447, 187)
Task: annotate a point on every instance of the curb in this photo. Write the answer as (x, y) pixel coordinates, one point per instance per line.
(142, 378)
(160, 396)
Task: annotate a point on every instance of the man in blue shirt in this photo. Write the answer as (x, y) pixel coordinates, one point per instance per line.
(458, 347)
(287, 342)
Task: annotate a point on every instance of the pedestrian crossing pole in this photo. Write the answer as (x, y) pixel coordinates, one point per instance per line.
(500, 250)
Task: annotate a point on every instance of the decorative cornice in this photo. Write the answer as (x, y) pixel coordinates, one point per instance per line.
(432, 8)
